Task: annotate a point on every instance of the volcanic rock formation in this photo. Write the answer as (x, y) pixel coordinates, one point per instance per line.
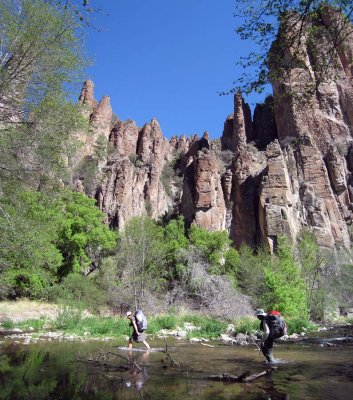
(289, 169)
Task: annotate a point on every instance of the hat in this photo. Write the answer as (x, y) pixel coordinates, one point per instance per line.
(260, 311)
(128, 313)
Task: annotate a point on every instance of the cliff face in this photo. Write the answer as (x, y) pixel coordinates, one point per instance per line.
(289, 168)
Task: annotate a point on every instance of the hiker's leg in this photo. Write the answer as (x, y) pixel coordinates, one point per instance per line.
(146, 344)
(267, 349)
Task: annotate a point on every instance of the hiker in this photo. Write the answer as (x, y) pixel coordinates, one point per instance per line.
(274, 327)
(139, 324)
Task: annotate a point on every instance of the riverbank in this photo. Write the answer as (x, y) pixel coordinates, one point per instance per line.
(22, 310)
(27, 321)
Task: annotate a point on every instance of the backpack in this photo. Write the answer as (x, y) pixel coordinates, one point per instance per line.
(141, 320)
(278, 324)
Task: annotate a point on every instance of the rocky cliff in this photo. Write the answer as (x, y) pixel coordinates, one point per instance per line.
(287, 168)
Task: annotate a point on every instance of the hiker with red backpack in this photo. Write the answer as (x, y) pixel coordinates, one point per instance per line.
(274, 327)
(138, 321)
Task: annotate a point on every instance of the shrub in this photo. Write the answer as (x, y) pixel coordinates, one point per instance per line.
(36, 324)
(247, 324)
(8, 324)
(209, 328)
(296, 325)
(286, 289)
(106, 326)
(68, 317)
(167, 177)
(78, 289)
(25, 282)
(155, 324)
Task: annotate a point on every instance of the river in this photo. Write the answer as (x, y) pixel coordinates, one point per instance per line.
(318, 367)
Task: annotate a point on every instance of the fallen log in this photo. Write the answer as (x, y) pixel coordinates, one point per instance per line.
(243, 378)
(252, 377)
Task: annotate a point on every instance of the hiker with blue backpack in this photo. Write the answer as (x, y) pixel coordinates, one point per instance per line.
(138, 321)
(274, 327)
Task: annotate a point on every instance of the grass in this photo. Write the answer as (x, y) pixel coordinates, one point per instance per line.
(22, 310)
(70, 320)
(296, 326)
(206, 327)
(8, 324)
(103, 326)
(155, 324)
(36, 324)
(209, 329)
(246, 325)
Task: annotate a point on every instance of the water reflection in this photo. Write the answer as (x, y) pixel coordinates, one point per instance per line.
(95, 370)
(138, 375)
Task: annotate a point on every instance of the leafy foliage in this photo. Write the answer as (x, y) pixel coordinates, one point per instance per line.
(216, 247)
(260, 26)
(286, 287)
(44, 238)
(82, 235)
(78, 290)
(141, 256)
(274, 281)
(40, 50)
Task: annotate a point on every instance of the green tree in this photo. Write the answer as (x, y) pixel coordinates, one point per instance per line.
(142, 258)
(251, 265)
(29, 259)
(313, 269)
(83, 238)
(175, 240)
(216, 247)
(301, 22)
(286, 289)
(40, 50)
(40, 59)
(44, 238)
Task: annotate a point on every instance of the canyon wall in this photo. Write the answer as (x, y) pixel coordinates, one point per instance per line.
(287, 168)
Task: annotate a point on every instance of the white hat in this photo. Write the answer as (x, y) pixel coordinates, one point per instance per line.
(260, 311)
(128, 313)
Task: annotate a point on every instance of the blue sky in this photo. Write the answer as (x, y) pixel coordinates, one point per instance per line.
(167, 59)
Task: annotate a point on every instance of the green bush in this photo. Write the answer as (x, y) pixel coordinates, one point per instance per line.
(77, 289)
(103, 326)
(68, 318)
(216, 248)
(296, 325)
(8, 324)
(49, 237)
(36, 324)
(286, 289)
(247, 324)
(208, 327)
(24, 282)
(155, 324)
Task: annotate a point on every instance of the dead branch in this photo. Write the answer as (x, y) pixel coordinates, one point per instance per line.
(243, 378)
(129, 361)
(252, 377)
(172, 361)
(208, 345)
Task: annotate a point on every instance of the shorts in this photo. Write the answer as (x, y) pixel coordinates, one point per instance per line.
(138, 338)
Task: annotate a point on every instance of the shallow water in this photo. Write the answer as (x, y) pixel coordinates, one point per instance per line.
(310, 369)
